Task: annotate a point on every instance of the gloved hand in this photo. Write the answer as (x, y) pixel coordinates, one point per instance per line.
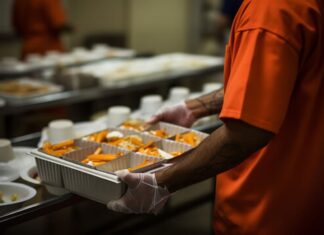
(143, 194)
(178, 114)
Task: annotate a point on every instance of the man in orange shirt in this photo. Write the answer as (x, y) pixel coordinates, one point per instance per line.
(39, 23)
(269, 154)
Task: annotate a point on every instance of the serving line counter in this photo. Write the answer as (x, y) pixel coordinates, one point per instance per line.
(36, 64)
(16, 107)
(45, 203)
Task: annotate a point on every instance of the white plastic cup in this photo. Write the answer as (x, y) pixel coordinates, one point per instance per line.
(6, 151)
(60, 130)
(178, 94)
(116, 115)
(150, 104)
(213, 86)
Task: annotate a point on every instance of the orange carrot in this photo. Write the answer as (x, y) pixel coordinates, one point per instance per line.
(63, 144)
(146, 162)
(102, 157)
(101, 136)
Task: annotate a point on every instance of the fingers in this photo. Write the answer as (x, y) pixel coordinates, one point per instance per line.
(153, 119)
(131, 179)
(122, 174)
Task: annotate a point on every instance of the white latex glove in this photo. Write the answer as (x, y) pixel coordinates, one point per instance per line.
(177, 114)
(143, 194)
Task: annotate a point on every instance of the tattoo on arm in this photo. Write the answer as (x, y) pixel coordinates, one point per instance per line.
(224, 149)
(208, 104)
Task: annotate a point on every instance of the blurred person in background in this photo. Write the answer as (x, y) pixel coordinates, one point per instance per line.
(39, 23)
(269, 154)
(228, 11)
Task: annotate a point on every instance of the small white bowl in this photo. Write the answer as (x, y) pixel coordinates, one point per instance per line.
(29, 174)
(8, 173)
(23, 192)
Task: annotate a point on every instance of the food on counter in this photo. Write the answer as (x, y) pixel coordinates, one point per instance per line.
(146, 162)
(190, 138)
(59, 149)
(98, 158)
(35, 176)
(21, 89)
(134, 124)
(13, 197)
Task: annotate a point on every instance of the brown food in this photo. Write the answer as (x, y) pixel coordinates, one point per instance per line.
(18, 88)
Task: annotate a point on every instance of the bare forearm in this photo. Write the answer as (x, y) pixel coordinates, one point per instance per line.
(223, 150)
(208, 104)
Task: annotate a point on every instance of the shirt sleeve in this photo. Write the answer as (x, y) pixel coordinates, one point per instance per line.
(261, 79)
(55, 13)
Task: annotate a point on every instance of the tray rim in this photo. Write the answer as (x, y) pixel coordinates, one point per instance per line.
(93, 172)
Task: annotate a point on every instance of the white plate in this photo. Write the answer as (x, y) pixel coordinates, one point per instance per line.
(23, 192)
(28, 173)
(8, 173)
(81, 128)
(22, 160)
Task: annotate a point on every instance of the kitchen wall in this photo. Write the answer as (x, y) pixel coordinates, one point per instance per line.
(97, 17)
(158, 26)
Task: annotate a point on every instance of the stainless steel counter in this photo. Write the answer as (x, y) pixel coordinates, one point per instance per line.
(15, 107)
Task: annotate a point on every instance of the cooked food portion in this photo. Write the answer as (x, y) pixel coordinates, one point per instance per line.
(134, 124)
(159, 133)
(98, 158)
(190, 138)
(22, 88)
(13, 197)
(145, 163)
(130, 142)
(58, 150)
(98, 137)
(152, 150)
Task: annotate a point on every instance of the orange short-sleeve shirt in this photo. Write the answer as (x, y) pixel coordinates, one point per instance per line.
(274, 80)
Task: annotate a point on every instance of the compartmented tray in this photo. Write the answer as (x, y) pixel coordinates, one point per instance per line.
(134, 162)
(169, 129)
(200, 135)
(100, 183)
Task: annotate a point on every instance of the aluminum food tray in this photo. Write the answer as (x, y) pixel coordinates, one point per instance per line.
(100, 183)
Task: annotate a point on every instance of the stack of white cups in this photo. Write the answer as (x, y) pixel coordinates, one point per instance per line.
(149, 105)
(7, 172)
(116, 115)
(60, 130)
(178, 94)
